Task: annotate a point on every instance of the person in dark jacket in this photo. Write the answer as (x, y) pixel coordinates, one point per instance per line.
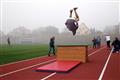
(94, 42)
(52, 46)
(116, 45)
(8, 41)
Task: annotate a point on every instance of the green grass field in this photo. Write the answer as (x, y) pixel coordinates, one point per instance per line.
(15, 53)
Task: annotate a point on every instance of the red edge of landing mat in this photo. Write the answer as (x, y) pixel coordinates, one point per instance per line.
(59, 66)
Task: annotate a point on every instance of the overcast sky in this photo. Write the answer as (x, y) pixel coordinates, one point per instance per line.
(36, 13)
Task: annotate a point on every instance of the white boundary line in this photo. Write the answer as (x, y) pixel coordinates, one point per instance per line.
(26, 68)
(96, 51)
(105, 66)
(52, 74)
(22, 61)
(90, 48)
(48, 76)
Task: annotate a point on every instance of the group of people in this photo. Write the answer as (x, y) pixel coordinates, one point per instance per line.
(115, 45)
(96, 42)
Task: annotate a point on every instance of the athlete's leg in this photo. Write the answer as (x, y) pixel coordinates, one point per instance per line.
(76, 14)
(71, 13)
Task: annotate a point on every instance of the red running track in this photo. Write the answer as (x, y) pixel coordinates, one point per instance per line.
(23, 64)
(113, 70)
(88, 71)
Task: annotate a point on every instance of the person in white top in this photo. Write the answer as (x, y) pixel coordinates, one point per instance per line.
(108, 40)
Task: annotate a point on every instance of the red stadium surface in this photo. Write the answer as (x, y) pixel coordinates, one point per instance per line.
(102, 65)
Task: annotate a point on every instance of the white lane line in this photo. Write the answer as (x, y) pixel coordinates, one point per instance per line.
(105, 66)
(52, 74)
(49, 76)
(22, 61)
(26, 68)
(96, 51)
(90, 48)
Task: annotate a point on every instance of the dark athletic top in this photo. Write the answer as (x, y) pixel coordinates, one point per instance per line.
(71, 24)
(116, 43)
(51, 42)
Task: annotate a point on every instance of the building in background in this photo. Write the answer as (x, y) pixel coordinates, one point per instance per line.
(83, 30)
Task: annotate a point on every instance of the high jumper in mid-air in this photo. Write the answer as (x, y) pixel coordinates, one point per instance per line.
(72, 23)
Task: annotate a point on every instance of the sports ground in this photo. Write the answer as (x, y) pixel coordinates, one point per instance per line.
(102, 65)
